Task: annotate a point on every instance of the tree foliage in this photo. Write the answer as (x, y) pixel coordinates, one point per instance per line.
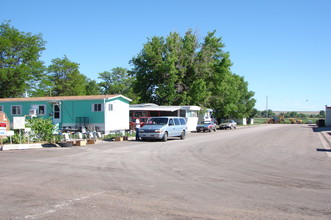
(321, 114)
(20, 67)
(116, 81)
(66, 78)
(183, 71)
(92, 87)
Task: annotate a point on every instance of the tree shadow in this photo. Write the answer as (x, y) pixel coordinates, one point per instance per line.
(49, 145)
(323, 150)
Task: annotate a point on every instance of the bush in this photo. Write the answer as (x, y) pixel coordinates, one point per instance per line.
(41, 129)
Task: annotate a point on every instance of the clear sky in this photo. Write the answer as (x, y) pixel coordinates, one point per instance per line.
(281, 47)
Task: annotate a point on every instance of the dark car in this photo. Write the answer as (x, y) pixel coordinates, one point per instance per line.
(206, 126)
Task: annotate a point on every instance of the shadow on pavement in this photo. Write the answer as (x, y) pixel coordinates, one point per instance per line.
(321, 129)
(323, 150)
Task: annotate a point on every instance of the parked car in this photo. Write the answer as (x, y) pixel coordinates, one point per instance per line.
(229, 123)
(160, 128)
(206, 126)
(142, 120)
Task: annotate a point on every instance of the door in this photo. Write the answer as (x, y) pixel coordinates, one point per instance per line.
(56, 114)
(171, 128)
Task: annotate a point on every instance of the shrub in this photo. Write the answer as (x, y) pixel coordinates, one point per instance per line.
(41, 129)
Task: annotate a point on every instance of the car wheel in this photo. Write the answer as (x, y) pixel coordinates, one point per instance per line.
(165, 137)
(209, 130)
(215, 129)
(182, 136)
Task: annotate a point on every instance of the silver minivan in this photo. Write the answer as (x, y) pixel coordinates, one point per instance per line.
(160, 128)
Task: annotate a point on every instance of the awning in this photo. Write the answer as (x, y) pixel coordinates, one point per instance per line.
(155, 108)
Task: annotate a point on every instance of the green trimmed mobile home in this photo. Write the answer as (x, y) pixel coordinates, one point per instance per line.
(106, 113)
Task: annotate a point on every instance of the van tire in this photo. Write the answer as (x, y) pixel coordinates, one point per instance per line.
(182, 136)
(165, 137)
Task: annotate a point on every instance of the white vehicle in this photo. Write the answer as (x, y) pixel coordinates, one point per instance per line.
(160, 128)
(229, 123)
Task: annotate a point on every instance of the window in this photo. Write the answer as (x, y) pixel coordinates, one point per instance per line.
(41, 109)
(97, 107)
(171, 122)
(110, 107)
(192, 114)
(16, 110)
(182, 113)
(1, 108)
(57, 112)
(182, 121)
(176, 121)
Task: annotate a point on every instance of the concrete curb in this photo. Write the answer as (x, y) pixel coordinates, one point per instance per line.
(21, 146)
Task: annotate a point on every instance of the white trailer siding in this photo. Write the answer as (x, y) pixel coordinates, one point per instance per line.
(116, 116)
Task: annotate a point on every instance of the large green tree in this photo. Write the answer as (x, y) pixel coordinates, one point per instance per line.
(167, 71)
(66, 78)
(184, 71)
(20, 67)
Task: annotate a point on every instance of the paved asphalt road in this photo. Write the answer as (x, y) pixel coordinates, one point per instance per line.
(260, 172)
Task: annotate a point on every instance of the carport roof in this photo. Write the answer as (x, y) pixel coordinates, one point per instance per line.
(155, 108)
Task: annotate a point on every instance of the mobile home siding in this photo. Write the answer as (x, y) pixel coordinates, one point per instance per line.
(71, 107)
(81, 108)
(25, 107)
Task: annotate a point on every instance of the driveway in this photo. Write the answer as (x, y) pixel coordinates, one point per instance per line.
(259, 172)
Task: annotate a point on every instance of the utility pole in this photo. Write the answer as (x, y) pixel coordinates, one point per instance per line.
(266, 110)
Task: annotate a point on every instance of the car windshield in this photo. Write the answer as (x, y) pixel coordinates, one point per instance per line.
(143, 119)
(228, 121)
(206, 122)
(158, 121)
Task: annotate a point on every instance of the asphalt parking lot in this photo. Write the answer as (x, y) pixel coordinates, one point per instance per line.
(262, 172)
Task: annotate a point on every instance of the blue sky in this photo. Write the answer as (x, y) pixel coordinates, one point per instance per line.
(281, 47)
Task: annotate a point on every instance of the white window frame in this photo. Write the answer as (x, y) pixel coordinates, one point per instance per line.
(18, 107)
(96, 109)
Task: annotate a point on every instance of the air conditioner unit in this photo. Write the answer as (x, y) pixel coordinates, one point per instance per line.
(32, 112)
